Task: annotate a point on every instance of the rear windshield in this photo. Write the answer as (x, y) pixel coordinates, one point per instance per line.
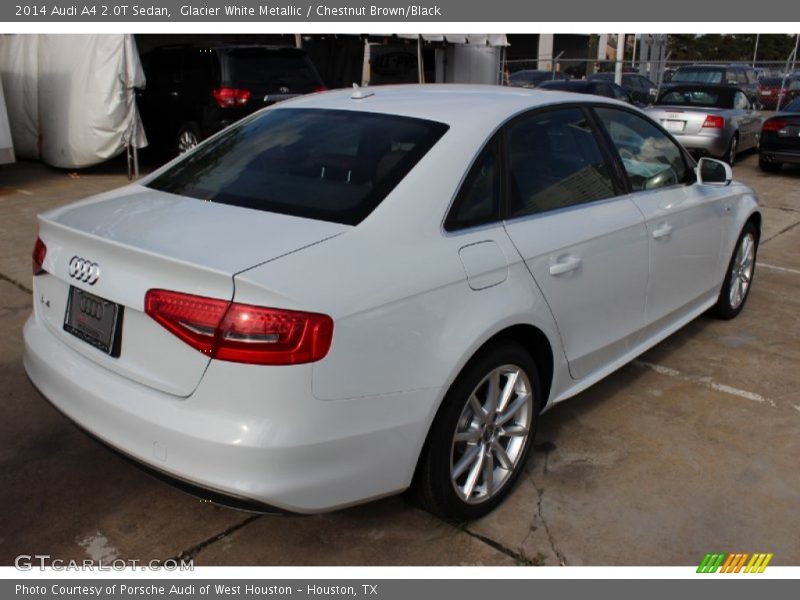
(698, 76)
(331, 165)
(713, 99)
(271, 69)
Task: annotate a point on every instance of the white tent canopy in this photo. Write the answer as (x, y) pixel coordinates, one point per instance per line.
(71, 98)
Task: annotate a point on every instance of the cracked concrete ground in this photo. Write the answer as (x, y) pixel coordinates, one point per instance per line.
(689, 449)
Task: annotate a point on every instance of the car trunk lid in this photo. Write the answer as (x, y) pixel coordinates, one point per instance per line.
(143, 239)
(682, 119)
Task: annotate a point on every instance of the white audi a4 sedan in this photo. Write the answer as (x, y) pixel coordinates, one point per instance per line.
(361, 291)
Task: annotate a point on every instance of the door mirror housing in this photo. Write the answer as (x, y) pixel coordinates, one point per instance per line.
(711, 171)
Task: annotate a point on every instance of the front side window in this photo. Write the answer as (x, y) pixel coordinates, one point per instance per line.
(651, 159)
(332, 165)
(555, 161)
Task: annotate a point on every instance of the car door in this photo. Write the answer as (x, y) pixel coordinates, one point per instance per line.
(684, 220)
(581, 237)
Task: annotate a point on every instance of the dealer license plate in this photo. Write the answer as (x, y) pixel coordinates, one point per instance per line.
(93, 319)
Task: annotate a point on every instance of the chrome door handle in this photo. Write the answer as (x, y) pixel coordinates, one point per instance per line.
(566, 266)
(662, 231)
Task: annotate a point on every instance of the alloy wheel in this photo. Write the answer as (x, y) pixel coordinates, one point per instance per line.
(491, 434)
(742, 271)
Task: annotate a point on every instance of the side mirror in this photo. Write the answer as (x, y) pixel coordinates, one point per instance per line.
(711, 171)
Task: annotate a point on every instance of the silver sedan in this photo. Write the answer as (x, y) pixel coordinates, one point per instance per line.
(709, 120)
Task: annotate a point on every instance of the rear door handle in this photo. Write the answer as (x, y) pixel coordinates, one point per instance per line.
(561, 267)
(662, 231)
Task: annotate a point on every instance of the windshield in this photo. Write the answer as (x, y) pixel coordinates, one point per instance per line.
(332, 165)
(698, 76)
(708, 98)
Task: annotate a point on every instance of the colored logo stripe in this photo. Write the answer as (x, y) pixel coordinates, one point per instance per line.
(733, 563)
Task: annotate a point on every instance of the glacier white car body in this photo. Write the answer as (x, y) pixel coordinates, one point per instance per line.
(593, 285)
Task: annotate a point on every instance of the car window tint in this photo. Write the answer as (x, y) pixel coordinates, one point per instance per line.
(478, 201)
(199, 66)
(163, 68)
(332, 165)
(651, 159)
(554, 162)
(272, 69)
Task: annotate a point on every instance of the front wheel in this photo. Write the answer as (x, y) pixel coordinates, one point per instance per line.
(481, 437)
(188, 137)
(739, 276)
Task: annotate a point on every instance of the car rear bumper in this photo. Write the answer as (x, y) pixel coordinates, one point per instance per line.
(705, 144)
(779, 156)
(254, 433)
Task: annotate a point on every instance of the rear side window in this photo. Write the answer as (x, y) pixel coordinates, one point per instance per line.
(554, 162)
(271, 69)
(332, 165)
(478, 201)
(651, 159)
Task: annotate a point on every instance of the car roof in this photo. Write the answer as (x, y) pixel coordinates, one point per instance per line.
(453, 104)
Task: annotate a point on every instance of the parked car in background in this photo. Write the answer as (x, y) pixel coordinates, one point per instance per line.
(194, 90)
(581, 86)
(237, 320)
(709, 120)
(640, 88)
(780, 138)
(530, 78)
(742, 76)
(777, 90)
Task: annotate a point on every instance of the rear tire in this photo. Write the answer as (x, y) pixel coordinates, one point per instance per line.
(475, 453)
(733, 148)
(769, 167)
(188, 137)
(739, 276)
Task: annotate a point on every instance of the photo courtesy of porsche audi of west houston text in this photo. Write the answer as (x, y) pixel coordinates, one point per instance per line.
(356, 292)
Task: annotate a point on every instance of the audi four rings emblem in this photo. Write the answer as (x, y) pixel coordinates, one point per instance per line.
(92, 307)
(84, 270)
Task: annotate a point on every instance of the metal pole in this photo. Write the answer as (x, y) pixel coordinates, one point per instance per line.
(633, 57)
(796, 44)
(620, 58)
(420, 66)
(755, 52)
(555, 63)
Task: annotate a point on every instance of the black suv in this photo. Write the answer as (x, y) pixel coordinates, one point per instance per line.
(640, 88)
(742, 76)
(194, 90)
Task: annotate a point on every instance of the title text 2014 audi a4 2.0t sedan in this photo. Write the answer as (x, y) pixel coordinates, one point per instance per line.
(360, 291)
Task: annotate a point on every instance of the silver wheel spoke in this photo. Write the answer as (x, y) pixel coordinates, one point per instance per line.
(508, 391)
(514, 431)
(488, 472)
(502, 456)
(466, 460)
(474, 473)
(470, 435)
(512, 410)
(475, 404)
(492, 394)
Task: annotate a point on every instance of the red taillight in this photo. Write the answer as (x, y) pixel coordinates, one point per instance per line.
(241, 332)
(714, 122)
(227, 97)
(321, 88)
(774, 125)
(39, 252)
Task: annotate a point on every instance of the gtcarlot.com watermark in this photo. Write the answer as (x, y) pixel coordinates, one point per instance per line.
(28, 562)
